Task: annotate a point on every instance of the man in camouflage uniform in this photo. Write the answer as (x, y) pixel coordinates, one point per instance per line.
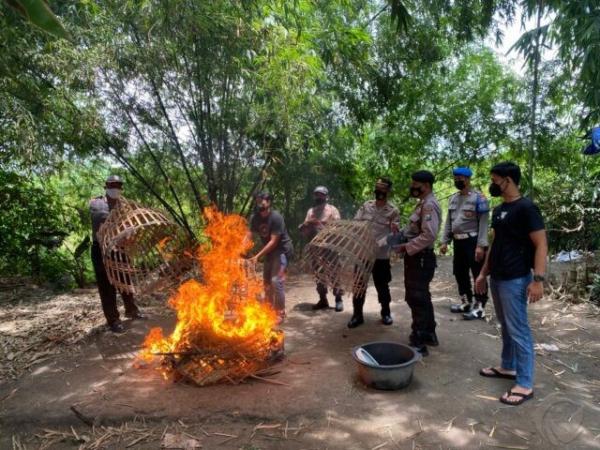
(384, 218)
(467, 227)
(419, 260)
(99, 210)
(317, 217)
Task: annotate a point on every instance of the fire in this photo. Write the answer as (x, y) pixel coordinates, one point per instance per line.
(223, 330)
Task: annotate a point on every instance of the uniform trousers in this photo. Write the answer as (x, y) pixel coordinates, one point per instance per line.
(108, 293)
(464, 262)
(382, 275)
(418, 273)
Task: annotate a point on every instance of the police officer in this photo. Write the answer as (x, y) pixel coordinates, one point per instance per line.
(466, 226)
(419, 260)
(99, 210)
(317, 217)
(384, 218)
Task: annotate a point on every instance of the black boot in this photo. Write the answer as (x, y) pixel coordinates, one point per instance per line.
(321, 304)
(356, 321)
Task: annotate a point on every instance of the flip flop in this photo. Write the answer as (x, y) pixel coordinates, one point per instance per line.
(523, 398)
(496, 374)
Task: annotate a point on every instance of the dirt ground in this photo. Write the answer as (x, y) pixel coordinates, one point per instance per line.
(83, 389)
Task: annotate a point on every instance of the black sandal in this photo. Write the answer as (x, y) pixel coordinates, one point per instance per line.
(496, 374)
(523, 398)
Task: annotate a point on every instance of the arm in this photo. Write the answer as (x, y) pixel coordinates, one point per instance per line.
(271, 245)
(447, 229)
(482, 238)
(480, 284)
(535, 290)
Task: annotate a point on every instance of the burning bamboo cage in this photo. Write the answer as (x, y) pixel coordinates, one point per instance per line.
(342, 255)
(225, 331)
(142, 250)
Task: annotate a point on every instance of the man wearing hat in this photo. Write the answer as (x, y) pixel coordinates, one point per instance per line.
(317, 217)
(384, 219)
(419, 260)
(467, 227)
(277, 250)
(99, 210)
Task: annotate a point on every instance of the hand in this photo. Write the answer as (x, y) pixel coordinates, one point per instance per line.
(443, 249)
(535, 291)
(400, 248)
(253, 259)
(480, 285)
(394, 228)
(479, 253)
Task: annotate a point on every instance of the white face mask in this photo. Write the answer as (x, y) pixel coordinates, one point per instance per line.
(113, 193)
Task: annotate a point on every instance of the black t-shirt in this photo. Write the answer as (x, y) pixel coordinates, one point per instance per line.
(272, 224)
(512, 254)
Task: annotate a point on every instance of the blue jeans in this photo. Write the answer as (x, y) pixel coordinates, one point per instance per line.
(274, 268)
(510, 301)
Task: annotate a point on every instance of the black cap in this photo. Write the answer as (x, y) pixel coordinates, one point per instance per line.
(423, 176)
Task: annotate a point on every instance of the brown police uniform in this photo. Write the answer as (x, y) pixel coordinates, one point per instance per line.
(419, 265)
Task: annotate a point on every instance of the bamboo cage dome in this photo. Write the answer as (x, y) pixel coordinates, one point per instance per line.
(143, 250)
(342, 255)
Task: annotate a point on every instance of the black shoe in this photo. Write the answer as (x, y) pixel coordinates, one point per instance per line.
(136, 316)
(356, 321)
(431, 339)
(386, 319)
(321, 304)
(116, 327)
(339, 305)
(422, 349)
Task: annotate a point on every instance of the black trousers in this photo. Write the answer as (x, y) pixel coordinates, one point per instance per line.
(382, 275)
(463, 263)
(108, 293)
(418, 273)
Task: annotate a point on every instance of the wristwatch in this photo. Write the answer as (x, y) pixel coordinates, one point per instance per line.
(539, 278)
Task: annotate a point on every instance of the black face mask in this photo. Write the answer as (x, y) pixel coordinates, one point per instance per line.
(495, 190)
(260, 208)
(380, 195)
(319, 201)
(459, 184)
(416, 191)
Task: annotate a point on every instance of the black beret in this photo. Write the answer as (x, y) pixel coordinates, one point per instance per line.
(423, 176)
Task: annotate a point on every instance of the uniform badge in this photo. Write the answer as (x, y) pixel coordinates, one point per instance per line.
(427, 217)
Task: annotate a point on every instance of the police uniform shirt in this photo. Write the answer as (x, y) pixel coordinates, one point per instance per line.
(423, 226)
(323, 213)
(467, 214)
(99, 211)
(381, 219)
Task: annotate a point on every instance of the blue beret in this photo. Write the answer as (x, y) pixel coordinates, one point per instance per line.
(594, 147)
(462, 172)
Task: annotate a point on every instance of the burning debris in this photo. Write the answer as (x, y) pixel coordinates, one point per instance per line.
(224, 333)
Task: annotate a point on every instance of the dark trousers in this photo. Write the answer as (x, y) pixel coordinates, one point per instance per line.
(108, 293)
(463, 263)
(382, 275)
(418, 273)
(322, 290)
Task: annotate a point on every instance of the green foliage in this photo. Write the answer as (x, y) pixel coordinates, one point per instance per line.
(39, 14)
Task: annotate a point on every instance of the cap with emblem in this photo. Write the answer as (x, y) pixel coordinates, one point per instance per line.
(321, 190)
(114, 179)
(423, 176)
(462, 172)
(383, 183)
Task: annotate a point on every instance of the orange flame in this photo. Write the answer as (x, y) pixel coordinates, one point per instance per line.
(225, 306)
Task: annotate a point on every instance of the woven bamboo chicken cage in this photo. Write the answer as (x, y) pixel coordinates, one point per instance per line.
(342, 255)
(142, 250)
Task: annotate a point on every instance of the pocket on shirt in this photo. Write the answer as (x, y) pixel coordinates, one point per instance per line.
(469, 211)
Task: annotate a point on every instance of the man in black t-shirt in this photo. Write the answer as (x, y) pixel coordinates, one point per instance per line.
(277, 249)
(519, 245)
